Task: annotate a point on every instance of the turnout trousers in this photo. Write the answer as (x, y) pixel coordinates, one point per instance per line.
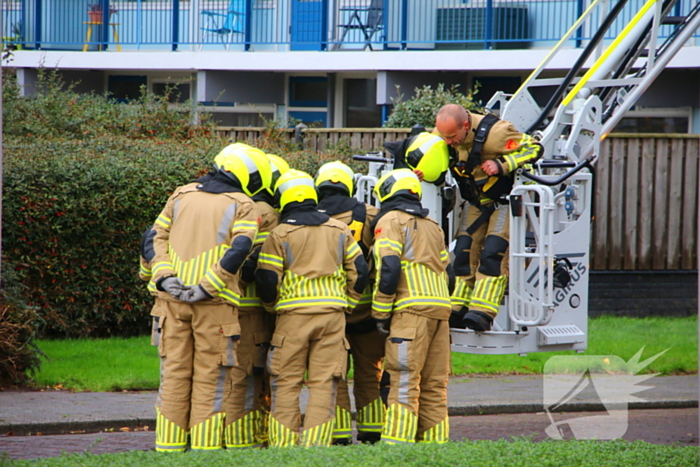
(367, 350)
(315, 344)
(481, 260)
(197, 348)
(245, 407)
(418, 361)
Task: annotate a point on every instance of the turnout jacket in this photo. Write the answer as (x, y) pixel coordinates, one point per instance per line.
(311, 268)
(269, 219)
(203, 238)
(505, 145)
(363, 235)
(411, 261)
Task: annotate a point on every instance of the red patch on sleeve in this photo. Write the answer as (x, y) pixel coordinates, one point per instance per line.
(378, 231)
(259, 221)
(511, 144)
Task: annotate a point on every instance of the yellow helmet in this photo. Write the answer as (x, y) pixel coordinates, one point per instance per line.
(428, 153)
(279, 168)
(337, 175)
(222, 154)
(398, 182)
(295, 186)
(247, 165)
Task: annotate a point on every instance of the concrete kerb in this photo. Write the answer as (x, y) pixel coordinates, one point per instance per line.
(148, 424)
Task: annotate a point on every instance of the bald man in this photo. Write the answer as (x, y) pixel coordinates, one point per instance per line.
(489, 151)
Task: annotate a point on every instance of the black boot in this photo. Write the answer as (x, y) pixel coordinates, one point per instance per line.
(457, 317)
(341, 442)
(370, 437)
(478, 321)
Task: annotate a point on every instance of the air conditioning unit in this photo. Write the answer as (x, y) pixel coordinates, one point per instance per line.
(465, 28)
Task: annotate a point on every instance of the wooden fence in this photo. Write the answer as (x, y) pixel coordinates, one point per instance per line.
(646, 197)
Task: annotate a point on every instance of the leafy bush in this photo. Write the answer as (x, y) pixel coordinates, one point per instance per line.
(83, 179)
(424, 105)
(19, 322)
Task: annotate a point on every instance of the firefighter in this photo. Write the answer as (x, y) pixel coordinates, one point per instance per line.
(335, 185)
(310, 271)
(489, 152)
(411, 304)
(246, 402)
(203, 236)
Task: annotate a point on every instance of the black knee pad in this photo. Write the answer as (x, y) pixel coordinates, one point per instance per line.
(492, 255)
(461, 263)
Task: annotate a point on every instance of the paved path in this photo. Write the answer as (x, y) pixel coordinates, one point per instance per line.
(59, 412)
(657, 426)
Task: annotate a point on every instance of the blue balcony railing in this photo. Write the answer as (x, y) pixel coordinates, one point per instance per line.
(255, 25)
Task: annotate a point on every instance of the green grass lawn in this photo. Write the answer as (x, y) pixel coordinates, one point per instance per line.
(132, 364)
(514, 453)
(622, 337)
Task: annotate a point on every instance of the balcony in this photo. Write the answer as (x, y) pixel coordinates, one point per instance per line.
(289, 25)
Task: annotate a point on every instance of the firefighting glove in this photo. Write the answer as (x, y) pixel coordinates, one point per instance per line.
(174, 286)
(382, 326)
(195, 294)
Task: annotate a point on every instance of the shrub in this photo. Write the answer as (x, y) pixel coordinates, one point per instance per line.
(79, 191)
(424, 105)
(19, 322)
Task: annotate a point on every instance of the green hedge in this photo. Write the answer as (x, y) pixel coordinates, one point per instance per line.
(79, 194)
(74, 212)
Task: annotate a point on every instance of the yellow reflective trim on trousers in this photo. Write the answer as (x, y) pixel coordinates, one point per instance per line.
(440, 433)
(280, 435)
(342, 425)
(244, 432)
(371, 416)
(488, 293)
(208, 434)
(462, 294)
(400, 425)
(320, 435)
(169, 436)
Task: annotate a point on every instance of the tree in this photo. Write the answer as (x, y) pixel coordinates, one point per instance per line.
(422, 107)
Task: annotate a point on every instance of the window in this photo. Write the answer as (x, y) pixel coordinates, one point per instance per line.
(125, 88)
(308, 91)
(361, 110)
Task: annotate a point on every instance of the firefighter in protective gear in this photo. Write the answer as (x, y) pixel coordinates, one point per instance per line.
(412, 300)
(203, 236)
(489, 152)
(310, 271)
(247, 400)
(335, 185)
(425, 153)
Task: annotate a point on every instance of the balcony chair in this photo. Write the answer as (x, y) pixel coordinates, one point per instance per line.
(225, 25)
(368, 19)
